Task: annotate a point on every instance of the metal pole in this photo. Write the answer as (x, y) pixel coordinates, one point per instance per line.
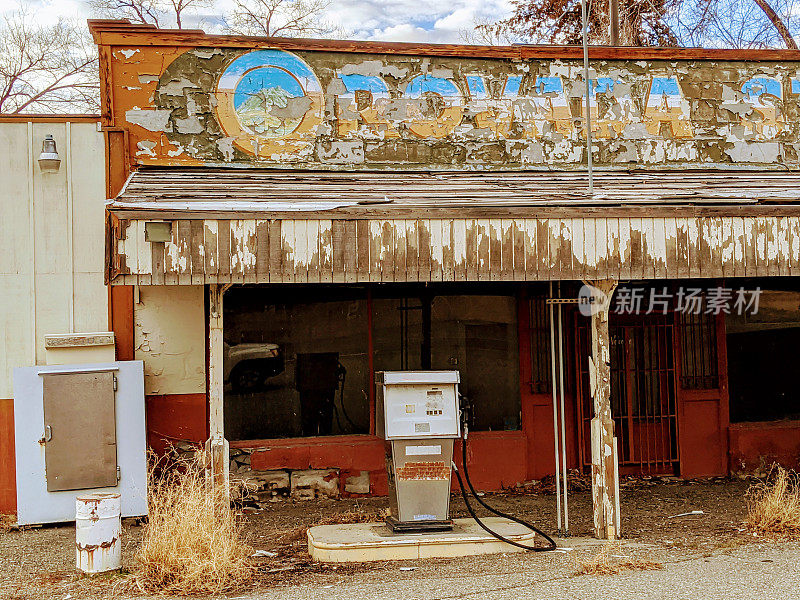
(613, 17)
(555, 406)
(585, 19)
(563, 430)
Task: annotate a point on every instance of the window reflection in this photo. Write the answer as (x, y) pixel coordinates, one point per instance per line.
(297, 363)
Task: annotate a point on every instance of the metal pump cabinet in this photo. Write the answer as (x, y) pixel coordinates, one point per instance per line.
(417, 414)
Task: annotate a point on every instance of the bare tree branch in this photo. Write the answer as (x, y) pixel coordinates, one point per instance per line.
(161, 13)
(286, 18)
(710, 23)
(778, 23)
(46, 68)
(485, 34)
(734, 23)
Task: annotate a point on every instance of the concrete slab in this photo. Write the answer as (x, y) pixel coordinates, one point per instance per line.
(363, 542)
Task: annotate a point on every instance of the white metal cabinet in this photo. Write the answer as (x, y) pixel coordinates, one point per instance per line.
(35, 504)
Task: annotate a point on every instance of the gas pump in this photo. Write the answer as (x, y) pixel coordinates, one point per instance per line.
(418, 416)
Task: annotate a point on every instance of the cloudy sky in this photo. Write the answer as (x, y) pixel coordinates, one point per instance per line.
(390, 20)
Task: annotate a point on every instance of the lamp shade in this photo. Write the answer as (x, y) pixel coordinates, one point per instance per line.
(49, 160)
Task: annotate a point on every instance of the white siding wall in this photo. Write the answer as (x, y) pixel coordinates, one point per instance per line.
(67, 293)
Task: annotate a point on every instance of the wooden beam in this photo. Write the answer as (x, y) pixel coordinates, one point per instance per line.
(49, 118)
(121, 33)
(217, 445)
(605, 479)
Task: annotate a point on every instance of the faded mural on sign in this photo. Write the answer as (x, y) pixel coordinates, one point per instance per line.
(273, 107)
(269, 102)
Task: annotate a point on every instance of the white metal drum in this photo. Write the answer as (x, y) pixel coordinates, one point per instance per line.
(98, 528)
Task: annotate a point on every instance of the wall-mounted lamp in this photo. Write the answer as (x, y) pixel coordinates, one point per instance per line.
(49, 160)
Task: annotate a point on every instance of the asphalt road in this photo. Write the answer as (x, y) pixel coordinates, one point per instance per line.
(754, 571)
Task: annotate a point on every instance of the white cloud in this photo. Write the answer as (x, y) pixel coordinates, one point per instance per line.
(48, 12)
(402, 33)
(389, 20)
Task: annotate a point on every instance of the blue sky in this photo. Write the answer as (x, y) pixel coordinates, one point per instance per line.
(390, 20)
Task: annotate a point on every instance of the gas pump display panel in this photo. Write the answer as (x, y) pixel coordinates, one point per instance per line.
(417, 405)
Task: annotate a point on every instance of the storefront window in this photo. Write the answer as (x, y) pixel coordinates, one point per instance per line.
(699, 360)
(297, 363)
(475, 334)
(478, 336)
(762, 359)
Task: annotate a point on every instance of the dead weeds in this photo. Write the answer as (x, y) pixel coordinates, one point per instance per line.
(192, 543)
(773, 505)
(7, 522)
(610, 560)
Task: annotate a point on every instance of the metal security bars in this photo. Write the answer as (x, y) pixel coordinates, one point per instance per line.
(643, 394)
(699, 359)
(539, 325)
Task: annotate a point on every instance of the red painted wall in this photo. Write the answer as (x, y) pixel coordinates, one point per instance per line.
(703, 419)
(120, 317)
(175, 417)
(352, 452)
(754, 444)
(537, 409)
(8, 469)
(496, 459)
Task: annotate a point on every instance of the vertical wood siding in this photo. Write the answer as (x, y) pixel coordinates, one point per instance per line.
(507, 249)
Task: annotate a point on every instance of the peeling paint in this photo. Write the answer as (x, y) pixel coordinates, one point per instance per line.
(458, 249)
(145, 148)
(152, 120)
(444, 113)
(170, 339)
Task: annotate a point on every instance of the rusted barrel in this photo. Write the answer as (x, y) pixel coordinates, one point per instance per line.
(98, 527)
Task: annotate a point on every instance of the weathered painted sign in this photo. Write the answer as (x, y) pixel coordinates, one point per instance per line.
(270, 106)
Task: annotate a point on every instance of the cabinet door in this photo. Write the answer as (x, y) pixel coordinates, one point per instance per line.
(80, 431)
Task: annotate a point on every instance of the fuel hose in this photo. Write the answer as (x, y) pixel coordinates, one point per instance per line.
(551, 543)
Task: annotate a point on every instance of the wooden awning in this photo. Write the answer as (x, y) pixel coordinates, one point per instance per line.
(267, 226)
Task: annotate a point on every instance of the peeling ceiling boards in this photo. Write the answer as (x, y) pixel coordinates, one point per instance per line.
(207, 105)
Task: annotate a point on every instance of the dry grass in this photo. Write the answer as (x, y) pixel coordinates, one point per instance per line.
(611, 561)
(192, 543)
(773, 505)
(7, 522)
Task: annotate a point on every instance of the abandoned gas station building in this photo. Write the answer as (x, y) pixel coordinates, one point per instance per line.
(289, 217)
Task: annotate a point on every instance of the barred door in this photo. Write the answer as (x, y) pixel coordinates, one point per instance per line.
(643, 402)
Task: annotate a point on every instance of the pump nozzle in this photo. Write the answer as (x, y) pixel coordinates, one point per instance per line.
(465, 414)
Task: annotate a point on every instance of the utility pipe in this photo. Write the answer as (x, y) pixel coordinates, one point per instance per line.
(555, 406)
(563, 428)
(585, 19)
(32, 238)
(613, 17)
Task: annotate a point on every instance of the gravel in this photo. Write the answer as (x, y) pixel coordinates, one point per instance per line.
(706, 555)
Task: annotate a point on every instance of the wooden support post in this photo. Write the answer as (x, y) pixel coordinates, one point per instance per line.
(217, 445)
(605, 483)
